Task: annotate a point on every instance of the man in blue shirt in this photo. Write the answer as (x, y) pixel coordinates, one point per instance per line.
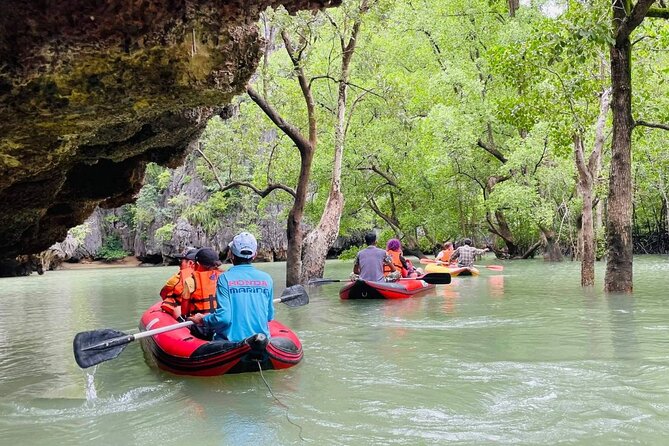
(244, 295)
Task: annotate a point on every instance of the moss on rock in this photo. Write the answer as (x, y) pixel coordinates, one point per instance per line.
(90, 92)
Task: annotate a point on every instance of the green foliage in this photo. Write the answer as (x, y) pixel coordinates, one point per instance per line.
(208, 214)
(111, 249)
(79, 233)
(600, 251)
(146, 206)
(111, 219)
(178, 201)
(165, 232)
(459, 119)
(350, 253)
(163, 180)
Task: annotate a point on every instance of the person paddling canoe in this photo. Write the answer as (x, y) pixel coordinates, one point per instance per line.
(369, 263)
(466, 254)
(244, 297)
(445, 253)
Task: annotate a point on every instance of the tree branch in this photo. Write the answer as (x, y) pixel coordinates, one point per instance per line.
(370, 197)
(383, 175)
(580, 155)
(536, 166)
(355, 102)
(350, 84)
(631, 21)
(600, 136)
(492, 150)
(290, 130)
(212, 167)
(658, 13)
(394, 225)
(471, 177)
(262, 193)
(304, 86)
(651, 125)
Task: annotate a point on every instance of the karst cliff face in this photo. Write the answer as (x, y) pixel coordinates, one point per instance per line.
(92, 90)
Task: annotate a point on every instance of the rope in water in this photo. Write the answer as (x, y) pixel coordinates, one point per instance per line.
(281, 403)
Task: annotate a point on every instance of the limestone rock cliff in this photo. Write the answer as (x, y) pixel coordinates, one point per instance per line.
(92, 90)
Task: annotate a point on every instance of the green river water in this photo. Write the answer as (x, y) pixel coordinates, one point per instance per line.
(524, 356)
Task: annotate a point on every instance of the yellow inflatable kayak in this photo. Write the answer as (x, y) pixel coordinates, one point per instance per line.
(452, 270)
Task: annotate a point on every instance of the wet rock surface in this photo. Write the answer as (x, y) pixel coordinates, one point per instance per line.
(91, 91)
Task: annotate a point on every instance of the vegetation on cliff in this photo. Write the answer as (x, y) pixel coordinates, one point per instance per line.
(462, 118)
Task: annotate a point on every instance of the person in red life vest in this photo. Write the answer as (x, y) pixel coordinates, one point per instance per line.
(245, 297)
(445, 253)
(202, 300)
(174, 287)
(394, 250)
(370, 263)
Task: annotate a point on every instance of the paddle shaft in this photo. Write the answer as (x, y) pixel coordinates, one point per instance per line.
(155, 331)
(146, 334)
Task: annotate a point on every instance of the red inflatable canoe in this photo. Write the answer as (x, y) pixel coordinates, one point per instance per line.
(363, 289)
(178, 351)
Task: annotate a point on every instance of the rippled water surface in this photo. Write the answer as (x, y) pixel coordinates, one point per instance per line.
(524, 356)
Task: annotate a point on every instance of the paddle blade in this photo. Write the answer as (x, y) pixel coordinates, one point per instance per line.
(427, 261)
(294, 296)
(495, 267)
(94, 347)
(317, 282)
(437, 278)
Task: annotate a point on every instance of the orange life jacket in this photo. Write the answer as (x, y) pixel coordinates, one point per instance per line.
(203, 298)
(395, 256)
(173, 289)
(445, 255)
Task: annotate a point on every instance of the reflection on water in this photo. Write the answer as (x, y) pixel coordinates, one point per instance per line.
(523, 356)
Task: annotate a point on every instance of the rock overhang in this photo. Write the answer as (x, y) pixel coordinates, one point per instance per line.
(92, 91)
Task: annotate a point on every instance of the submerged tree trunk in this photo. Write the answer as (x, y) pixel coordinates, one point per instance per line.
(552, 251)
(587, 177)
(619, 216)
(503, 231)
(319, 241)
(619, 209)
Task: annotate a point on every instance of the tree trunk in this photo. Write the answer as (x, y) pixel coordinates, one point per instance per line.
(588, 238)
(513, 7)
(618, 276)
(587, 176)
(626, 18)
(552, 251)
(319, 241)
(294, 229)
(504, 232)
